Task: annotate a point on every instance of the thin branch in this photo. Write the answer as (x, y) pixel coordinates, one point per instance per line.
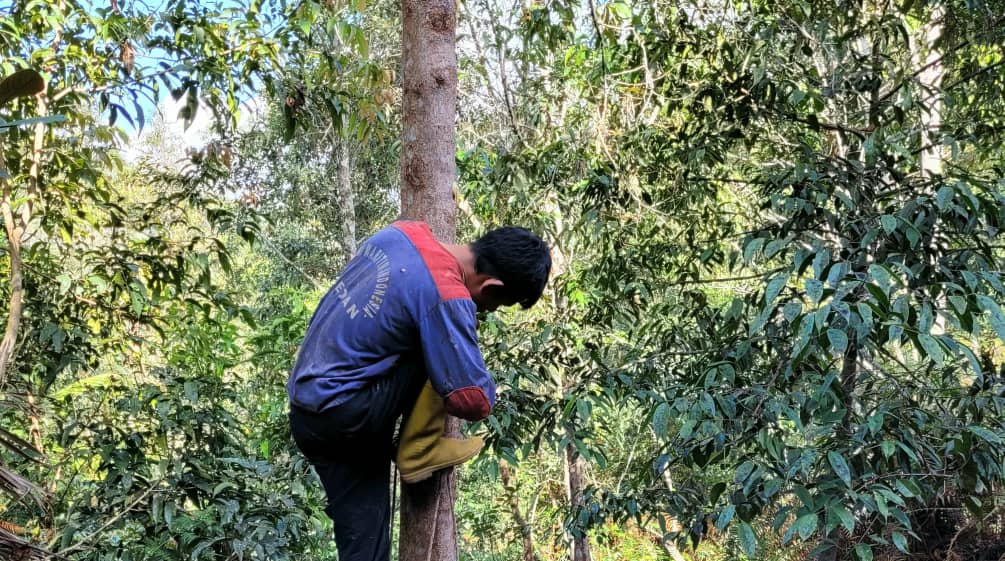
(934, 62)
(83, 542)
(503, 78)
(727, 279)
(265, 241)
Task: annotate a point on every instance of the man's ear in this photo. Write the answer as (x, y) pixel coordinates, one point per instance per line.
(491, 281)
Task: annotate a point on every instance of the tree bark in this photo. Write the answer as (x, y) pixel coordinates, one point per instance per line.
(428, 144)
(925, 56)
(666, 543)
(523, 526)
(13, 233)
(346, 202)
(575, 477)
(429, 107)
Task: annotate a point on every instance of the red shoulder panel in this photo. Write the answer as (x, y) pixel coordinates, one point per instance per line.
(443, 267)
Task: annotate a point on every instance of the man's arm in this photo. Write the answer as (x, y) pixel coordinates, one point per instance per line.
(454, 363)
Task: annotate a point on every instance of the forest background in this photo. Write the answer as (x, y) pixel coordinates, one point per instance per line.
(774, 329)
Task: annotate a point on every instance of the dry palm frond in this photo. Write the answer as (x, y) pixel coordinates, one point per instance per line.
(16, 549)
(18, 487)
(19, 446)
(11, 527)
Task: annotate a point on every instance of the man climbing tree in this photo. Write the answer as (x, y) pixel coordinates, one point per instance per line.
(397, 332)
(402, 313)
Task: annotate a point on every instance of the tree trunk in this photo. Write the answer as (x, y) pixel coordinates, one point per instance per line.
(429, 107)
(346, 201)
(13, 233)
(666, 543)
(926, 57)
(428, 144)
(575, 479)
(524, 527)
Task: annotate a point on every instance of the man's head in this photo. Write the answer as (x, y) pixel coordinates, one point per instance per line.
(511, 267)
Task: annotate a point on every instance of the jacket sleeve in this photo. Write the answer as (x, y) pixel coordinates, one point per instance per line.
(456, 369)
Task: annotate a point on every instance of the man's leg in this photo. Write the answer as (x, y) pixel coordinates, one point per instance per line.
(359, 506)
(350, 448)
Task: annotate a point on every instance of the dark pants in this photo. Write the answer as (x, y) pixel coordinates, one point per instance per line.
(350, 447)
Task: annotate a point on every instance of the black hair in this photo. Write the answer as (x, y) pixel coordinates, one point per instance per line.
(517, 257)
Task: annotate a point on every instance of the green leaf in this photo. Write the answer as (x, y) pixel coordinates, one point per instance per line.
(840, 467)
(820, 262)
(805, 331)
(661, 420)
(863, 551)
(748, 541)
(900, 541)
(771, 487)
(155, 508)
(806, 525)
(725, 516)
(864, 312)
(622, 10)
(925, 319)
(762, 318)
(992, 278)
(773, 247)
(743, 472)
(223, 485)
(687, 429)
(895, 332)
(716, 491)
(881, 505)
(138, 302)
(169, 509)
(943, 197)
(774, 288)
(892, 497)
(191, 391)
(64, 282)
(752, 247)
(931, 348)
(804, 496)
(889, 223)
(985, 434)
(814, 289)
(997, 316)
(847, 520)
(838, 340)
(888, 447)
(913, 235)
(959, 303)
(796, 96)
(875, 422)
(791, 311)
(882, 277)
(975, 364)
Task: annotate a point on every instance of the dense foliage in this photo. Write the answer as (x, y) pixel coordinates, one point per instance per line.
(775, 326)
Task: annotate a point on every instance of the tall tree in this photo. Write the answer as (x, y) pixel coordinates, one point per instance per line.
(429, 106)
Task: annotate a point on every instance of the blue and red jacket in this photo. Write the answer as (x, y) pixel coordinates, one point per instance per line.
(401, 295)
